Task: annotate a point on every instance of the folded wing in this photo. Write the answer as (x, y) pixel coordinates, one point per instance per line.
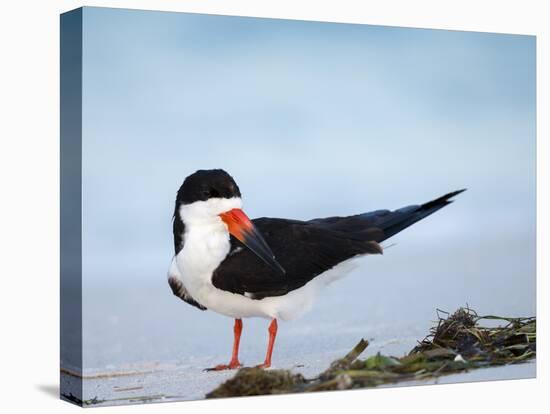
(307, 249)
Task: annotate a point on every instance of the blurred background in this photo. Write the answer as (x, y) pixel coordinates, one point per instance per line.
(311, 119)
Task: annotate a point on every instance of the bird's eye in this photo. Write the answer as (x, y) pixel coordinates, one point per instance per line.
(210, 193)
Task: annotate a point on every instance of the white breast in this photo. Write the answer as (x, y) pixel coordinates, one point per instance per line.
(204, 248)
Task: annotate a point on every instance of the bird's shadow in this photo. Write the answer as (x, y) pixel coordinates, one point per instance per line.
(49, 389)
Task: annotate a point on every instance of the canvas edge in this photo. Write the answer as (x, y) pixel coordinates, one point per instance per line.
(71, 350)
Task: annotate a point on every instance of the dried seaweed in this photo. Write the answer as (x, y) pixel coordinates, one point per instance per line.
(461, 334)
(457, 343)
(257, 381)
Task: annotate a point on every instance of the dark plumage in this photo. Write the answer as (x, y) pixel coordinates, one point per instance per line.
(305, 249)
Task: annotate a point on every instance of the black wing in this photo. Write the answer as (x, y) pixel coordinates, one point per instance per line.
(306, 249)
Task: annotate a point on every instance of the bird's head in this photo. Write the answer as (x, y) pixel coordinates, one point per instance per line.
(213, 195)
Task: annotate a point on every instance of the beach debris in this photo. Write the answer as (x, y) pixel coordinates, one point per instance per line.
(82, 403)
(461, 333)
(456, 344)
(344, 363)
(258, 381)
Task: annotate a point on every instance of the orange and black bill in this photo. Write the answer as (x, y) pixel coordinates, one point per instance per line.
(240, 226)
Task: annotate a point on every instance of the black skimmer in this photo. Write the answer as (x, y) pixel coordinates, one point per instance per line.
(266, 267)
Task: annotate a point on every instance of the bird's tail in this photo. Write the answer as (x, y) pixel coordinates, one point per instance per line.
(406, 216)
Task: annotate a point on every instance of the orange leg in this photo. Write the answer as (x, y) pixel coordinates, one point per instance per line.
(272, 334)
(234, 363)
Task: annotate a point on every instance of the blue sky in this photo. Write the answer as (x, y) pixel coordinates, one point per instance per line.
(312, 119)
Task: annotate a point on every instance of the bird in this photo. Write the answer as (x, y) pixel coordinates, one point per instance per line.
(267, 267)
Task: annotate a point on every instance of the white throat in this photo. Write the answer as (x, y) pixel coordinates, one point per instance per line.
(205, 241)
